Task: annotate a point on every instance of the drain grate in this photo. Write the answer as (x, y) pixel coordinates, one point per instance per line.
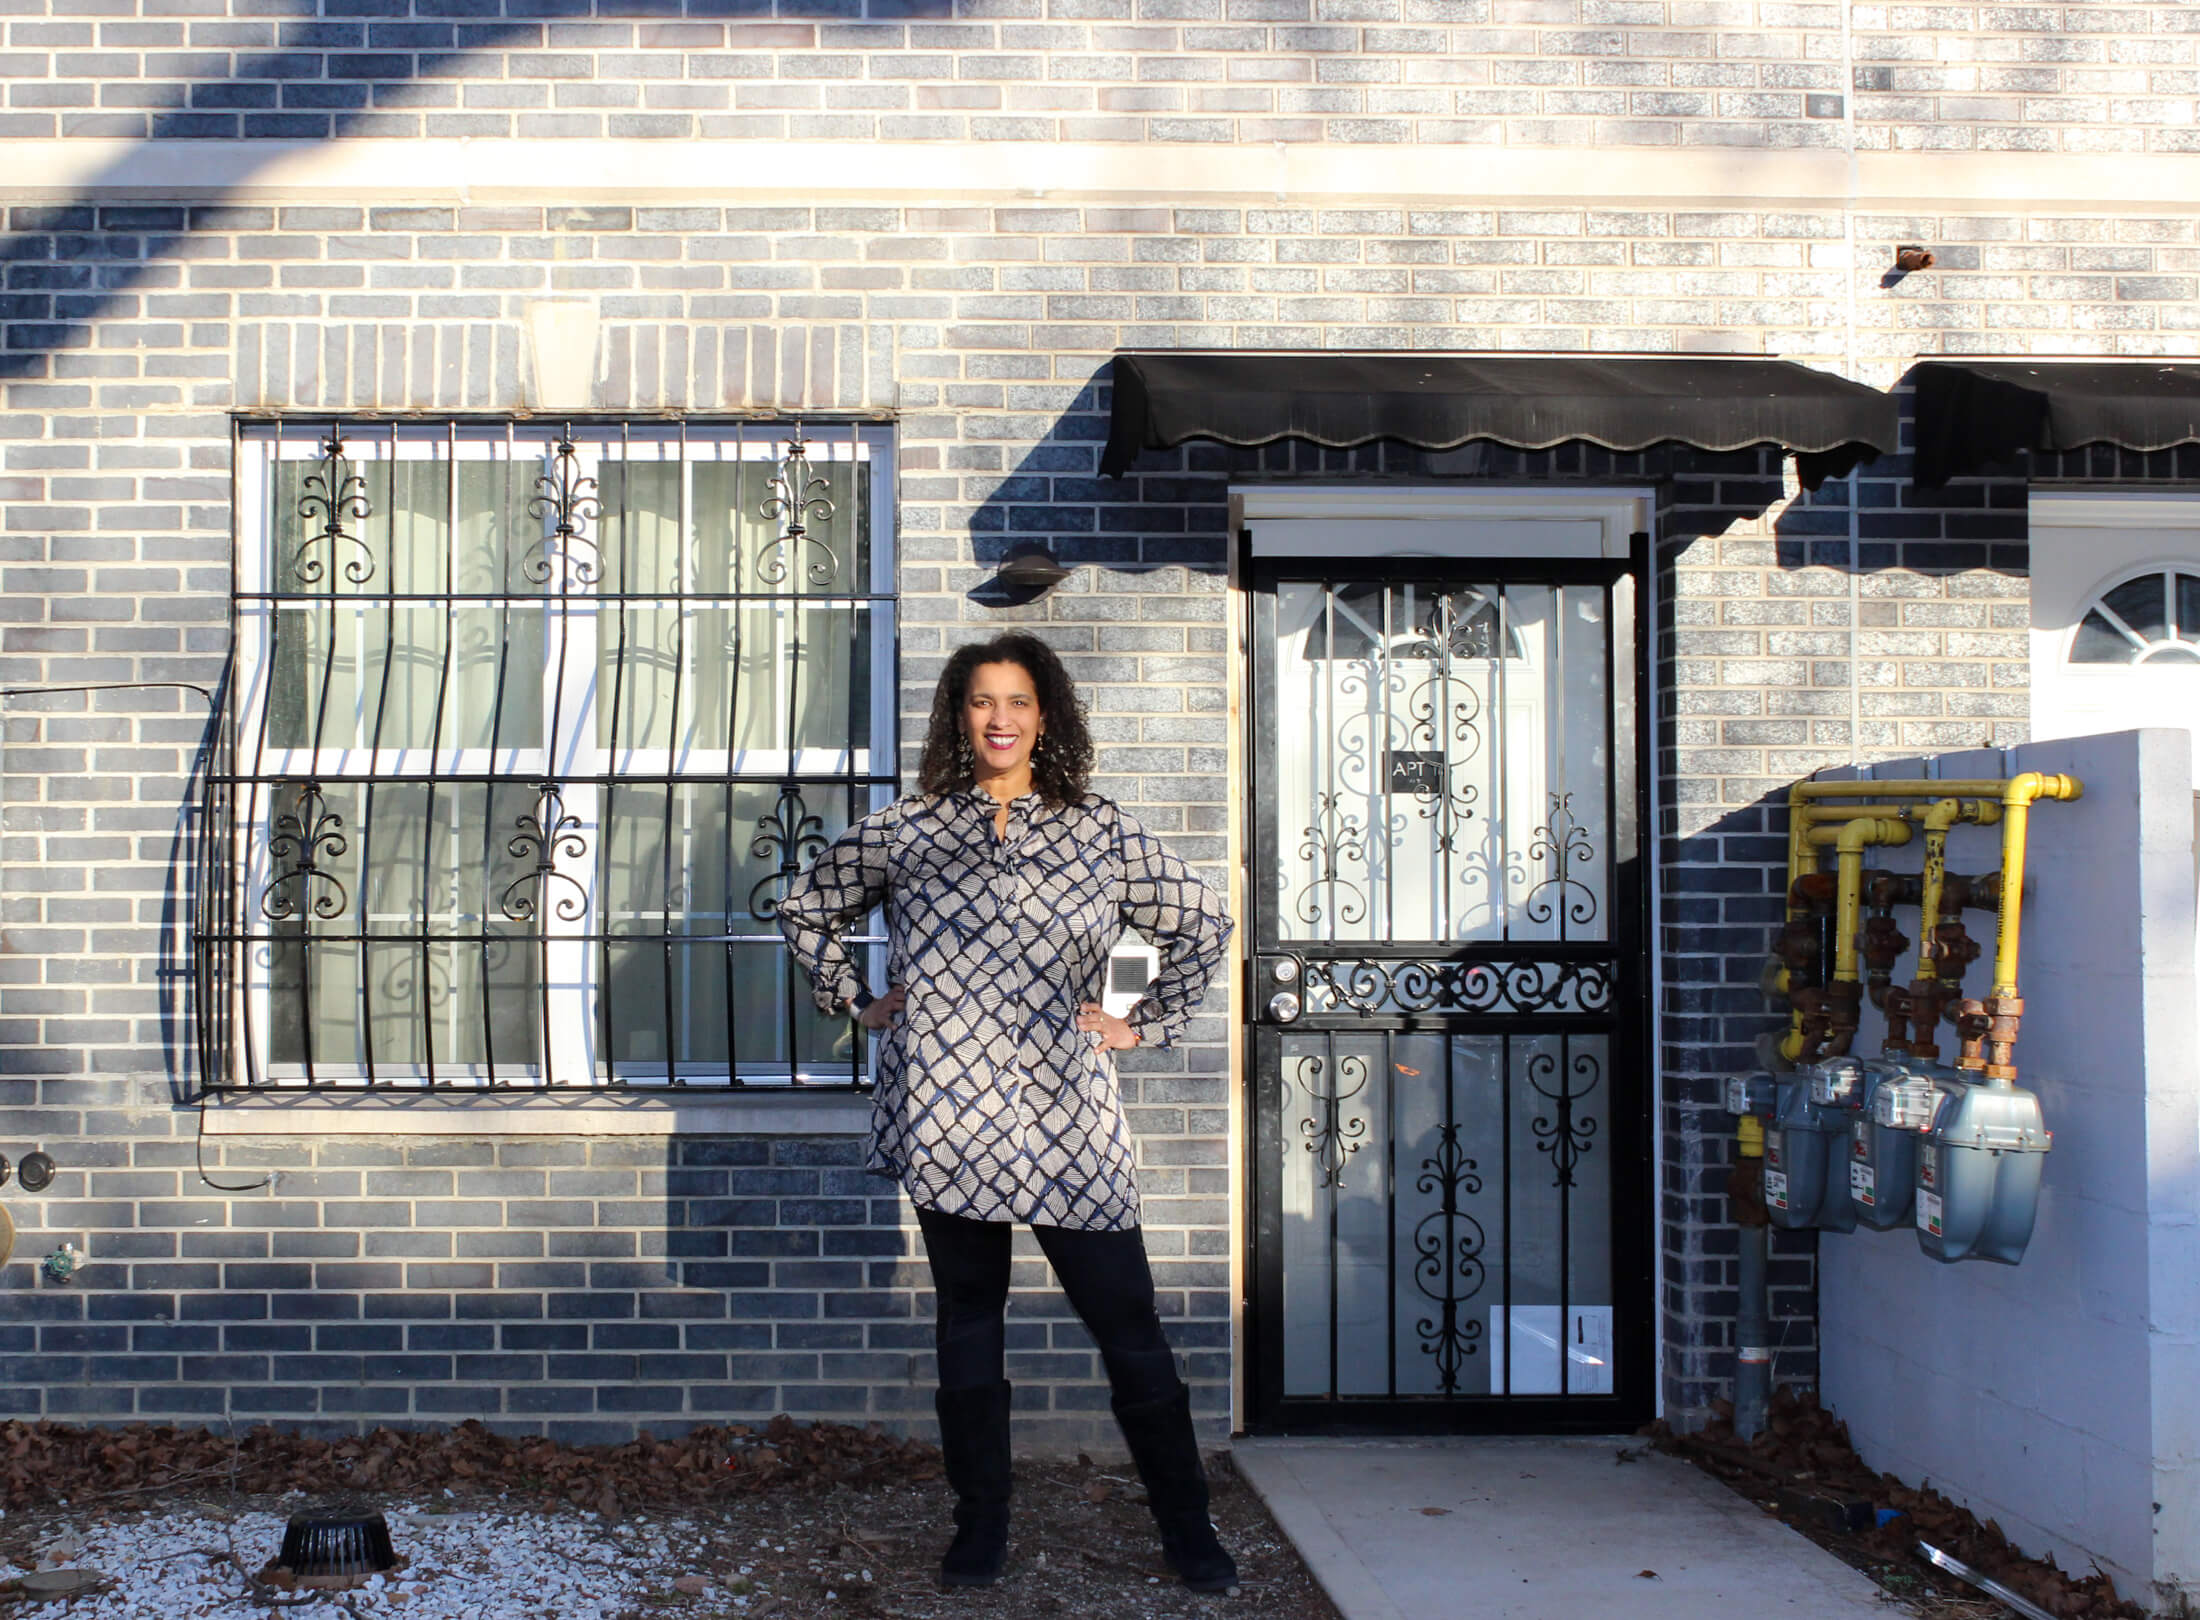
(336, 1550)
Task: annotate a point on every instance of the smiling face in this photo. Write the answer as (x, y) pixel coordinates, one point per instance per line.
(1002, 719)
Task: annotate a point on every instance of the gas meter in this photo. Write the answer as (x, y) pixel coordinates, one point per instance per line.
(1978, 1173)
(1806, 1147)
(1883, 1142)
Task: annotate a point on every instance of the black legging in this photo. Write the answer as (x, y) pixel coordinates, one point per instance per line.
(1105, 1275)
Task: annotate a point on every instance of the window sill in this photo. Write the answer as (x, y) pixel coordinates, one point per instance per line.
(591, 1114)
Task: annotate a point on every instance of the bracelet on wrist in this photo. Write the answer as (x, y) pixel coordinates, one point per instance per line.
(860, 1000)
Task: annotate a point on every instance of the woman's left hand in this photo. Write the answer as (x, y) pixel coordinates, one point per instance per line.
(1115, 1035)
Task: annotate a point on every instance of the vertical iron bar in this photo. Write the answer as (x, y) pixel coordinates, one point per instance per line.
(1332, 1121)
(1501, 757)
(1554, 700)
(1565, 1215)
(732, 645)
(1321, 766)
(501, 584)
(611, 756)
(1440, 612)
(1380, 766)
(374, 766)
(1453, 1169)
(672, 739)
(1612, 767)
(329, 570)
(1390, 1179)
(337, 485)
(537, 939)
(271, 487)
(859, 566)
(1505, 1141)
(435, 748)
(790, 596)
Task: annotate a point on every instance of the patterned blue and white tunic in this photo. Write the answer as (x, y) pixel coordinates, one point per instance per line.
(991, 1103)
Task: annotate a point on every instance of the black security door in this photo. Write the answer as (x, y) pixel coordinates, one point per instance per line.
(1452, 1163)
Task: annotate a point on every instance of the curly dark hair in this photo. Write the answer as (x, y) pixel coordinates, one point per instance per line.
(1060, 766)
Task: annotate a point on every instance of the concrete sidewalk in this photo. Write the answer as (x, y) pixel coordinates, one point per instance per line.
(1538, 1529)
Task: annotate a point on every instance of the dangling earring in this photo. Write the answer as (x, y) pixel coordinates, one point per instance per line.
(966, 757)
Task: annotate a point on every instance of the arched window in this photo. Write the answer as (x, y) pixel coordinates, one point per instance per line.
(2151, 618)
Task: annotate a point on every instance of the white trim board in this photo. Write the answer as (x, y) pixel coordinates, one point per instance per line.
(1361, 520)
(397, 1113)
(640, 171)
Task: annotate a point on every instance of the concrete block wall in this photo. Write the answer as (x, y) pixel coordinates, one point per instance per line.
(2056, 1397)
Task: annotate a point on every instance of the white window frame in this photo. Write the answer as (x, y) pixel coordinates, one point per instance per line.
(573, 1015)
(2085, 543)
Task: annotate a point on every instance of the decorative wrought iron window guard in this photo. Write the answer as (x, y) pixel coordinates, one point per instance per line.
(528, 727)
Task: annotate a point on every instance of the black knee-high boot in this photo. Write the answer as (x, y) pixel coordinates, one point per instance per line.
(974, 1446)
(1166, 1452)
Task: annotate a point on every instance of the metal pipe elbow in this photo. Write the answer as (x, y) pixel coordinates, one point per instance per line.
(2030, 786)
(1854, 837)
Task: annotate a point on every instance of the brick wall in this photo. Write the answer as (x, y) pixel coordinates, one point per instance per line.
(2080, 77)
(1797, 631)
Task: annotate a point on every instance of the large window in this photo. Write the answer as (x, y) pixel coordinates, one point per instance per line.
(529, 725)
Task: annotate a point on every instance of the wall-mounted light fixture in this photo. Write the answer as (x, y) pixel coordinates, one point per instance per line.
(1031, 568)
(1024, 575)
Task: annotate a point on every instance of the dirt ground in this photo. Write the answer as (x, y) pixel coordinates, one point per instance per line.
(1804, 1451)
(1082, 1545)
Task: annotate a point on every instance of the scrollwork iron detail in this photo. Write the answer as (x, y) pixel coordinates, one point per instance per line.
(1566, 1137)
(1384, 986)
(418, 978)
(545, 834)
(1332, 1133)
(308, 836)
(1448, 1267)
(1564, 843)
(797, 496)
(332, 497)
(568, 501)
(790, 835)
(1331, 840)
(1446, 713)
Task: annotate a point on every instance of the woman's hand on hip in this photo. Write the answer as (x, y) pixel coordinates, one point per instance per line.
(1115, 1035)
(883, 1009)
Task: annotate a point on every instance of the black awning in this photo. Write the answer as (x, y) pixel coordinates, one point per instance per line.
(1438, 402)
(1972, 413)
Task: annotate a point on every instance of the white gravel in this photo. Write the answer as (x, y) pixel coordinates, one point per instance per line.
(484, 1565)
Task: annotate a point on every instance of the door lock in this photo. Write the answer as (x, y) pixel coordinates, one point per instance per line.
(1283, 1006)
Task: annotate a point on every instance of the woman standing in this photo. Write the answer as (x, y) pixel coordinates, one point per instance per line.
(1006, 884)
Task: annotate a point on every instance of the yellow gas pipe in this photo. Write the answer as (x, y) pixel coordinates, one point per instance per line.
(2016, 811)
(1922, 1002)
(1845, 994)
(1814, 824)
(1989, 1028)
